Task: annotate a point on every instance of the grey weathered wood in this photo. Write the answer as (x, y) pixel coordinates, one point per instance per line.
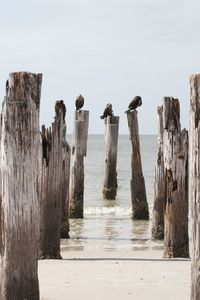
(194, 182)
(111, 143)
(53, 186)
(79, 147)
(65, 189)
(19, 204)
(159, 185)
(175, 142)
(140, 209)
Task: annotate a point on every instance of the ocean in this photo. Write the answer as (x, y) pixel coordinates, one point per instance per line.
(107, 224)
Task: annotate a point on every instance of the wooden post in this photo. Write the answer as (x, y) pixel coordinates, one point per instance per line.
(53, 182)
(159, 185)
(111, 142)
(194, 182)
(175, 141)
(140, 209)
(19, 205)
(65, 189)
(79, 147)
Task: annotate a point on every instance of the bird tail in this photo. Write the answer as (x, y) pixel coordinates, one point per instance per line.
(102, 117)
(127, 111)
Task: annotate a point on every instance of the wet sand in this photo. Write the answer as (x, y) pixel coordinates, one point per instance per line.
(121, 274)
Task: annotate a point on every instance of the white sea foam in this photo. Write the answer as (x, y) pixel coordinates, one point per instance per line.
(115, 211)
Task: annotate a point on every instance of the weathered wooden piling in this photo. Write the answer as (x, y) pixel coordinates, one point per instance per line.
(159, 185)
(65, 189)
(79, 147)
(140, 209)
(175, 142)
(194, 182)
(19, 204)
(111, 143)
(53, 186)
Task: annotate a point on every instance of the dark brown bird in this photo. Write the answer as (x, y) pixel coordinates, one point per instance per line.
(108, 111)
(58, 106)
(136, 102)
(79, 102)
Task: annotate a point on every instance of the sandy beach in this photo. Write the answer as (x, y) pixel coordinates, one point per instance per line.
(97, 275)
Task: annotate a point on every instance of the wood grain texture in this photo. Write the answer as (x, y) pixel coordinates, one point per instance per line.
(19, 163)
(79, 150)
(175, 141)
(194, 182)
(140, 209)
(159, 185)
(111, 145)
(54, 187)
(65, 189)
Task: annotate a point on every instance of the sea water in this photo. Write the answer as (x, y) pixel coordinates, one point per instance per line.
(107, 224)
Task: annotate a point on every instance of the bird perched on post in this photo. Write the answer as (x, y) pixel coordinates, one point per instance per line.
(79, 102)
(136, 102)
(107, 111)
(58, 106)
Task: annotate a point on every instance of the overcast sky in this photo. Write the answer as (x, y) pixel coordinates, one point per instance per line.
(106, 50)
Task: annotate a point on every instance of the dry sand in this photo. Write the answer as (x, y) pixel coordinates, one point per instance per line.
(117, 275)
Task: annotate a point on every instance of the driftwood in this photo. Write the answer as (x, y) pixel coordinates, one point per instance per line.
(53, 186)
(79, 147)
(159, 185)
(140, 209)
(19, 204)
(194, 182)
(175, 141)
(111, 142)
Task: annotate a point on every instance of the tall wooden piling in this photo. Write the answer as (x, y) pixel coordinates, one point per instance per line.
(19, 205)
(175, 141)
(140, 209)
(53, 186)
(79, 149)
(194, 182)
(111, 143)
(159, 185)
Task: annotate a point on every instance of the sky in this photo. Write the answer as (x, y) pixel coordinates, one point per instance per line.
(106, 50)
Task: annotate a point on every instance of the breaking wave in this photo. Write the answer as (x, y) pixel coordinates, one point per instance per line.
(114, 211)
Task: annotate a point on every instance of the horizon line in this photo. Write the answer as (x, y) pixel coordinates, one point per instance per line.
(119, 133)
